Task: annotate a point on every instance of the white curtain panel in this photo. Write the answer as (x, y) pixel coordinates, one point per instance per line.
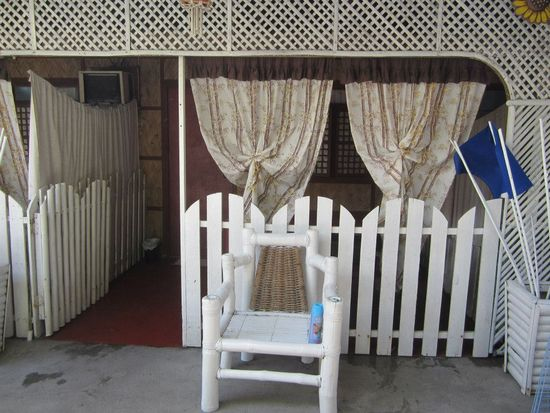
(70, 141)
(402, 131)
(264, 135)
(13, 169)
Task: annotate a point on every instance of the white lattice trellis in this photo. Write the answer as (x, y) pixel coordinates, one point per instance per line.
(521, 49)
(163, 25)
(283, 25)
(15, 27)
(526, 147)
(80, 24)
(387, 25)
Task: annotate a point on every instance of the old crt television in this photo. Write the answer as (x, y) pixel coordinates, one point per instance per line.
(104, 87)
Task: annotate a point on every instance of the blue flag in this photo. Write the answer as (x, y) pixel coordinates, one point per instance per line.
(486, 161)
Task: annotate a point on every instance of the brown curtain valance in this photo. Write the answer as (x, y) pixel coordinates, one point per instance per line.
(344, 70)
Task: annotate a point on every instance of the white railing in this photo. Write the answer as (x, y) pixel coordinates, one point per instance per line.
(376, 270)
(78, 240)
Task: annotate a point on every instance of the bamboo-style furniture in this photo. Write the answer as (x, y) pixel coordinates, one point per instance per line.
(275, 333)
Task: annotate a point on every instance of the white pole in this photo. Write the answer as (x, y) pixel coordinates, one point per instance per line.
(545, 175)
(488, 211)
(182, 163)
(518, 216)
(3, 141)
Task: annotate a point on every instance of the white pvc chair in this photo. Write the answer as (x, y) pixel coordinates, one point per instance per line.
(275, 333)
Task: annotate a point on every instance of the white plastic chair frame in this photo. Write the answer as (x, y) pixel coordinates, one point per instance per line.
(216, 362)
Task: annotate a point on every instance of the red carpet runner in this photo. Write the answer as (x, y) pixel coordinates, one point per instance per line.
(142, 308)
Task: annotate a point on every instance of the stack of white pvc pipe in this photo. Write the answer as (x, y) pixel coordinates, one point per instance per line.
(528, 247)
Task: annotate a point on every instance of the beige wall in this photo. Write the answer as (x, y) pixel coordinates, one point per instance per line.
(150, 114)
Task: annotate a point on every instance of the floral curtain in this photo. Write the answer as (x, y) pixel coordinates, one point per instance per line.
(402, 131)
(13, 169)
(264, 135)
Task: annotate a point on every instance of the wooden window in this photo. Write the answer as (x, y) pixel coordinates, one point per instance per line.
(338, 160)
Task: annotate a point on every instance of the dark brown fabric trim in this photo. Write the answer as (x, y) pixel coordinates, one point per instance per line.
(344, 70)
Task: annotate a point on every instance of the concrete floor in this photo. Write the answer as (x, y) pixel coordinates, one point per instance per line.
(52, 376)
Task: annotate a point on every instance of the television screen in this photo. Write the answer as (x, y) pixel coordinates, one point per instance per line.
(102, 88)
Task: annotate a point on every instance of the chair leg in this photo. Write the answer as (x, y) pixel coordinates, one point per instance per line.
(226, 360)
(210, 399)
(329, 385)
(247, 357)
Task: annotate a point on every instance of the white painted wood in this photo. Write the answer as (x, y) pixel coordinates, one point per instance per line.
(19, 271)
(52, 248)
(461, 278)
(486, 283)
(65, 252)
(390, 249)
(257, 219)
(436, 272)
(103, 234)
(59, 257)
(72, 253)
(409, 292)
(366, 282)
(79, 273)
(38, 264)
(93, 242)
(346, 237)
(88, 245)
(5, 260)
(236, 214)
(214, 241)
(33, 277)
(193, 275)
(324, 224)
(45, 244)
(280, 220)
(182, 188)
(108, 237)
(301, 215)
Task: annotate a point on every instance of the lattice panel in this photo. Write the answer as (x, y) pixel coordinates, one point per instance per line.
(387, 25)
(323, 160)
(283, 25)
(15, 31)
(163, 25)
(24, 120)
(91, 25)
(491, 28)
(527, 149)
(348, 161)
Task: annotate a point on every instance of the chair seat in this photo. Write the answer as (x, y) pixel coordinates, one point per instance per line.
(270, 327)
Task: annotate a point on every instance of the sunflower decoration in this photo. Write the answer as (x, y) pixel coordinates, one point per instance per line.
(534, 11)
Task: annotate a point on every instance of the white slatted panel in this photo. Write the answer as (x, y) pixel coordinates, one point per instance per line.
(409, 292)
(192, 280)
(72, 254)
(387, 284)
(301, 215)
(52, 248)
(324, 225)
(214, 241)
(280, 220)
(5, 258)
(65, 251)
(486, 282)
(436, 272)
(19, 271)
(236, 223)
(346, 235)
(32, 260)
(461, 279)
(527, 149)
(366, 282)
(4, 287)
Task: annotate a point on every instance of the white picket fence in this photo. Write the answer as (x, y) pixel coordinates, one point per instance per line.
(75, 241)
(396, 241)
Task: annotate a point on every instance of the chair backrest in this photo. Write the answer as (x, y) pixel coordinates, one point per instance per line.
(309, 241)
